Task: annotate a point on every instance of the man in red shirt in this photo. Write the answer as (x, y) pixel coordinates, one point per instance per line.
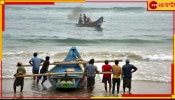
(107, 77)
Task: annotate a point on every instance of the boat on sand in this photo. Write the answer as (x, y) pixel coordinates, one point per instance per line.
(72, 76)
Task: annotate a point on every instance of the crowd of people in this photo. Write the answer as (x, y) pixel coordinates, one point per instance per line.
(118, 72)
(124, 73)
(84, 19)
(35, 62)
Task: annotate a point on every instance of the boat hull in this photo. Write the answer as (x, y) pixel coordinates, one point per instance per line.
(97, 23)
(71, 79)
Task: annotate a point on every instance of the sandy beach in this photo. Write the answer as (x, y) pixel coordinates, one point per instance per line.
(33, 90)
(130, 31)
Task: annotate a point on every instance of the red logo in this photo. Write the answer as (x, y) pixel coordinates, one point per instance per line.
(153, 4)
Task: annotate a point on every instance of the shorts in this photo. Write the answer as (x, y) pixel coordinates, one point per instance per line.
(127, 82)
(42, 72)
(19, 81)
(105, 80)
(90, 81)
(35, 71)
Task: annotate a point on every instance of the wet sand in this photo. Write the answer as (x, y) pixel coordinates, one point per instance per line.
(33, 90)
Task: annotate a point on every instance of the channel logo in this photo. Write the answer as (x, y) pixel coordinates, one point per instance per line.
(153, 4)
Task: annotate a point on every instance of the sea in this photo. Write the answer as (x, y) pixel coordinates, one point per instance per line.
(129, 31)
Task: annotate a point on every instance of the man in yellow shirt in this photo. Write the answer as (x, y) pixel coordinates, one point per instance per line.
(117, 72)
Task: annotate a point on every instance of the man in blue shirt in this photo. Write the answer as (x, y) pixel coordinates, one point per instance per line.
(35, 62)
(127, 69)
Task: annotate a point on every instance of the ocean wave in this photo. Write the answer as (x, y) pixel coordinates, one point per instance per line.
(136, 55)
(86, 41)
(79, 9)
(159, 57)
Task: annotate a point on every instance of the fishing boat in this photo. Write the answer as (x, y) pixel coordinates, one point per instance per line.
(68, 73)
(96, 23)
(73, 76)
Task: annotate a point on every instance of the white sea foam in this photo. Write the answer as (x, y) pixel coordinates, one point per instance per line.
(159, 57)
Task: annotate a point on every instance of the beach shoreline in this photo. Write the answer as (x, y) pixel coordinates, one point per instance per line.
(33, 90)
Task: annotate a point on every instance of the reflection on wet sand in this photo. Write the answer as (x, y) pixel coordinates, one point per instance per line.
(33, 90)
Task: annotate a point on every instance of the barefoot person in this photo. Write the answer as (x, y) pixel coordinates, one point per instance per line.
(91, 69)
(128, 69)
(19, 81)
(107, 77)
(44, 69)
(117, 71)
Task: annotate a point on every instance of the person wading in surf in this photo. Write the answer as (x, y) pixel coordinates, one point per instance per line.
(44, 69)
(35, 62)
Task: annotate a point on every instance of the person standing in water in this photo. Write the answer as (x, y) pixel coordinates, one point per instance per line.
(35, 62)
(44, 69)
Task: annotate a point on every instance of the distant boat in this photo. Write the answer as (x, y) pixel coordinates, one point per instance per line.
(73, 76)
(97, 23)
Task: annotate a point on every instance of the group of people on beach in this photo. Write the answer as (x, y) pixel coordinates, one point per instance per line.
(35, 62)
(124, 72)
(84, 19)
